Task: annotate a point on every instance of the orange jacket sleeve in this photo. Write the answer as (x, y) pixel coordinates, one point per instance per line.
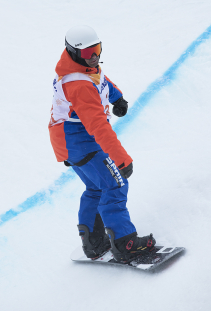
(86, 103)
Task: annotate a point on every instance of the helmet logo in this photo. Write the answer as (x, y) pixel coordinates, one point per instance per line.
(78, 44)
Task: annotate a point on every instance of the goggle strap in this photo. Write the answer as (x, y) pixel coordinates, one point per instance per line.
(77, 51)
(70, 47)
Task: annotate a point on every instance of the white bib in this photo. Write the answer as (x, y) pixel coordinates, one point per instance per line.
(61, 107)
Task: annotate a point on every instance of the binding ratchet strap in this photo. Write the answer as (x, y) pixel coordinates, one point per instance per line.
(84, 160)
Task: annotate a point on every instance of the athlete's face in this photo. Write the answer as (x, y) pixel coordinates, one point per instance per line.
(93, 61)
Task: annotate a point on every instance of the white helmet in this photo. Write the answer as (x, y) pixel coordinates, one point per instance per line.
(81, 43)
(81, 37)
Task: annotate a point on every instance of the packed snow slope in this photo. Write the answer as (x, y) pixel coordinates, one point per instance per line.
(141, 39)
(169, 140)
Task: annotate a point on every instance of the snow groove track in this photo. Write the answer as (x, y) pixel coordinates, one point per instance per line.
(161, 82)
(44, 196)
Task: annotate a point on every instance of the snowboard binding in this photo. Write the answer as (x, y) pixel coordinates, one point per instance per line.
(130, 247)
(94, 246)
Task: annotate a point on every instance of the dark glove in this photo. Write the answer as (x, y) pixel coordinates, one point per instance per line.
(127, 171)
(120, 107)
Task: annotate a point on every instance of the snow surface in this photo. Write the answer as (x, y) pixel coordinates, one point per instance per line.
(169, 140)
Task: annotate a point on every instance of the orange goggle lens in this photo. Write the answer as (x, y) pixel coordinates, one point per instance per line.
(88, 52)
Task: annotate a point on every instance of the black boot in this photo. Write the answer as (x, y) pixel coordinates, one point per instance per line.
(130, 246)
(95, 243)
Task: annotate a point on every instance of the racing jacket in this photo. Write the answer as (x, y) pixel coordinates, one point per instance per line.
(80, 114)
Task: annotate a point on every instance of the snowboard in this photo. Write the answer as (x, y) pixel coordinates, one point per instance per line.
(158, 256)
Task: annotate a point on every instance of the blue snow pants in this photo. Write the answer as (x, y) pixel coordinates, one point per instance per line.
(106, 194)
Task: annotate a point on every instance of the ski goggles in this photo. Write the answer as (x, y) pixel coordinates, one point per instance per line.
(88, 52)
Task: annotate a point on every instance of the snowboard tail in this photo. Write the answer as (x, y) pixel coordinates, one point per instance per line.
(144, 262)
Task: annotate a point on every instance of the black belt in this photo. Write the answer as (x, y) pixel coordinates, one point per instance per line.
(84, 160)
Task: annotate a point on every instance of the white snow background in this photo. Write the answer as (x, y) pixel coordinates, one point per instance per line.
(169, 140)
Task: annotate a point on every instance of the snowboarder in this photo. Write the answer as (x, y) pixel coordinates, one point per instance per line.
(82, 137)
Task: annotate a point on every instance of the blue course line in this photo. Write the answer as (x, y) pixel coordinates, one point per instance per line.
(39, 197)
(44, 196)
(158, 84)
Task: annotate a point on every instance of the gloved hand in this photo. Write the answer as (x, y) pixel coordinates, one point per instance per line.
(127, 171)
(120, 107)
